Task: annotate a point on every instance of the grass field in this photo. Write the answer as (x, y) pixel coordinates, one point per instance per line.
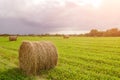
(80, 58)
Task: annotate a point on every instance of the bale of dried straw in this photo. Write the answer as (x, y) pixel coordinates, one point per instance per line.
(36, 56)
(12, 38)
(66, 36)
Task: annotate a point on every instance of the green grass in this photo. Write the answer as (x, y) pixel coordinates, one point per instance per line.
(80, 58)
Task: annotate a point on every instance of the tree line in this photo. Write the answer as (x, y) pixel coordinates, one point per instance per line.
(114, 32)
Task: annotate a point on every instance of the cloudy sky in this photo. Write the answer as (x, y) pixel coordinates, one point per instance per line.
(58, 16)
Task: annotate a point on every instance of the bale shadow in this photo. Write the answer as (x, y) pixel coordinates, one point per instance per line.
(14, 74)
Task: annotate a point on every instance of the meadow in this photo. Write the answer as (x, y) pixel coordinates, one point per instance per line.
(80, 58)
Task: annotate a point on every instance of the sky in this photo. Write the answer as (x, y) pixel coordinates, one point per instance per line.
(58, 16)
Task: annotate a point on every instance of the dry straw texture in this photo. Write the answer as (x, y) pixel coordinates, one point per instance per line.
(12, 38)
(36, 56)
(66, 36)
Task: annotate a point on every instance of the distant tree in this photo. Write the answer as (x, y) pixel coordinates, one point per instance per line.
(100, 33)
(4, 34)
(112, 32)
(93, 32)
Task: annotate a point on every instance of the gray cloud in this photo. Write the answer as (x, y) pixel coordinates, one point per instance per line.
(26, 16)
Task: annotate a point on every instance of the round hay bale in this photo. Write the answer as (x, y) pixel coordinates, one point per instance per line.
(36, 56)
(66, 36)
(12, 38)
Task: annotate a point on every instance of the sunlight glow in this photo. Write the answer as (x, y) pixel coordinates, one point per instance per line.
(94, 3)
(36, 2)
